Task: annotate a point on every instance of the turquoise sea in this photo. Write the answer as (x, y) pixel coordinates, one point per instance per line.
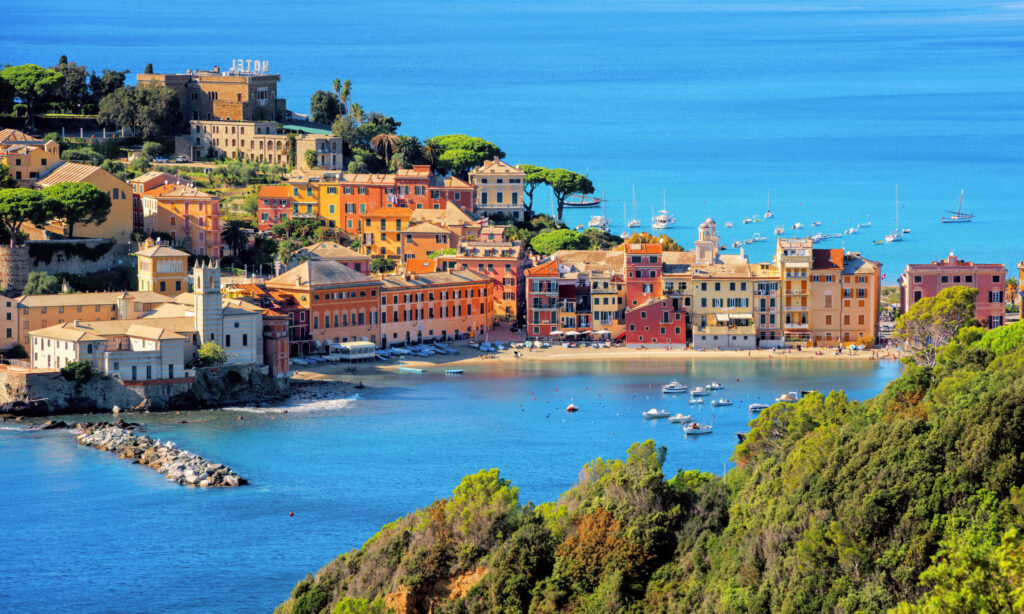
(85, 531)
(827, 105)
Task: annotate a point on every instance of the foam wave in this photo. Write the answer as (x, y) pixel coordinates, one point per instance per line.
(311, 405)
(4, 427)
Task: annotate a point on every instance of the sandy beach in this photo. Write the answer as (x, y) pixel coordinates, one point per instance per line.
(557, 353)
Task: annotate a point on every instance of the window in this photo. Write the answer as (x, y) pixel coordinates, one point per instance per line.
(945, 279)
(995, 296)
(245, 340)
(227, 340)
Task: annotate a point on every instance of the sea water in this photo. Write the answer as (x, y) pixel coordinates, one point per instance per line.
(827, 106)
(86, 531)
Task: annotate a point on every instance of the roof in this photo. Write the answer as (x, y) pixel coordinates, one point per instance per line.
(67, 331)
(70, 171)
(161, 251)
(544, 269)
(589, 260)
(314, 273)
(642, 248)
(449, 216)
(420, 266)
(149, 176)
(89, 298)
(178, 191)
(9, 134)
(151, 332)
(331, 250)
(274, 191)
(445, 278)
(855, 263)
(427, 227)
(828, 258)
(390, 212)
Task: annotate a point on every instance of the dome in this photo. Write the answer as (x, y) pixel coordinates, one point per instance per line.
(709, 222)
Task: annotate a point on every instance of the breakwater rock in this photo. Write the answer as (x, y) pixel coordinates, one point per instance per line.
(178, 465)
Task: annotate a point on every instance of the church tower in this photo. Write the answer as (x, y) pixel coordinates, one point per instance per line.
(208, 306)
(706, 244)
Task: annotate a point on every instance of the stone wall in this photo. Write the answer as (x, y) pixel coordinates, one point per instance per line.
(14, 267)
(26, 392)
(66, 256)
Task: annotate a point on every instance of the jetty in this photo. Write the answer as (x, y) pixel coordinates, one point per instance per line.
(177, 465)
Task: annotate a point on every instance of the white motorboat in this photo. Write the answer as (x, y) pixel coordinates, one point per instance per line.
(673, 387)
(695, 428)
(723, 402)
(864, 225)
(453, 371)
(815, 223)
(654, 413)
(696, 401)
(779, 230)
(715, 386)
(572, 408)
(852, 231)
(680, 419)
(906, 231)
(664, 219)
(747, 220)
(797, 226)
(756, 408)
(699, 391)
(789, 397)
(757, 238)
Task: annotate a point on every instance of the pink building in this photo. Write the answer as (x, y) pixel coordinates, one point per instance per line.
(657, 321)
(643, 273)
(274, 205)
(926, 280)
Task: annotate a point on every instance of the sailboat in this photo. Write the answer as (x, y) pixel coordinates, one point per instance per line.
(625, 232)
(664, 219)
(959, 216)
(896, 234)
(635, 222)
(600, 221)
(768, 214)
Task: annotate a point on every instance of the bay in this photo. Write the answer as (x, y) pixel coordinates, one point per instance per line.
(89, 532)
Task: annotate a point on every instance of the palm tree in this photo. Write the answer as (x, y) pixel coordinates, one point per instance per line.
(410, 148)
(431, 152)
(234, 236)
(384, 144)
(398, 160)
(1011, 287)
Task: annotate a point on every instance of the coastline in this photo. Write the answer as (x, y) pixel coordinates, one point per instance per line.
(472, 357)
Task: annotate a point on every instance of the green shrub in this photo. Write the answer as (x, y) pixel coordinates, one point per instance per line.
(210, 354)
(78, 371)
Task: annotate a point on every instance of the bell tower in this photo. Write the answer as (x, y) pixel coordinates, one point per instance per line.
(208, 306)
(706, 244)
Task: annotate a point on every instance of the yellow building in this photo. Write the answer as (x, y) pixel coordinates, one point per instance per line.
(120, 220)
(499, 188)
(27, 157)
(382, 232)
(261, 142)
(162, 269)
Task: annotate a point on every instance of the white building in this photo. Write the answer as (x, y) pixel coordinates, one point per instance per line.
(499, 188)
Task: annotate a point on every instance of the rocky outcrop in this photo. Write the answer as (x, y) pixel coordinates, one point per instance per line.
(428, 598)
(179, 466)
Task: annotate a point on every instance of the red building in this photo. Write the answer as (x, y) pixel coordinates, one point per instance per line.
(274, 205)
(658, 321)
(502, 260)
(926, 280)
(542, 311)
(275, 342)
(643, 273)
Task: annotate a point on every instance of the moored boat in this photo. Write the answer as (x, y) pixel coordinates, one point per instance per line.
(673, 387)
(723, 402)
(715, 386)
(696, 401)
(654, 413)
(680, 419)
(699, 391)
(695, 428)
(756, 408)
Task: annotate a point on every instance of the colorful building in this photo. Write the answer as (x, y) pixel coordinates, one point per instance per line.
(162, 268)
(499, 188)
(421, 240)
(27, 157)
(502, 260)
(382, 232)
(927, 280)
(260, 141)
(37, 311)
(274, 205)
(188, 215)
(343, 304)
(120, 221)
(331, 250)
(448, 305)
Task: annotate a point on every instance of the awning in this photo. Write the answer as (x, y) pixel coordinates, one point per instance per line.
(741, 316)
(722, 317)
(570, 333)
(602, 332)
(556, 332)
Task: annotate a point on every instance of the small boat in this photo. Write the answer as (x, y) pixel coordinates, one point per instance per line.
(815, 223)
(959, 216)
(906, 231)
(598, 221)
(723, 402)
(757, 238)
(747, 221)
(789, 397)
(571, 408)
(474, 344)
(737, 243)
(728, 224)
(748, 241)
(580, 200)
(797, 226)
(695, 428)
(715, 386)
(696, 401)
(654, 413)
(864, 225)
(453, 371)
(674, 387)
(895, 235)
(699, 391)
(852, 231)
(779, 230)
(756, 408)
(680, 419)
(634, 224)
(625, 234)
(410, 369)
(579, 228)
(359, 386)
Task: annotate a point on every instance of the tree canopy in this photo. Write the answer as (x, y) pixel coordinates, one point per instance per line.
(41, 282)
(31, 84)
(21, 205)
(550, 241)
(149, 110)
(933, 322)
(210, 354)
(383, 265)
(566, 183)
(324, 107)
(534, 177)
(460, 153)
(76, 203)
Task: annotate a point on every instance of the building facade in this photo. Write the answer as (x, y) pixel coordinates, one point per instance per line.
(502, 260)
(120, 220)
(927, 280)
(434, 306)
(499, 189)
(243, 93)
(274, 205)
(188, 215)
(162, 269)
(259, 141)
(27, 157)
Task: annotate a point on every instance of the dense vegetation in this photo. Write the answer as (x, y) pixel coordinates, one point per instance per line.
(910, 499)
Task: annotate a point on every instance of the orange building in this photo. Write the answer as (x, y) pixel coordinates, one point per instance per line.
(382, 232)
(421, 240)
(41, 310)
(29, 158)
(343, 304)
(190, 216)
(542, 289)
(451, 305)
(503, 261)
(274, 205)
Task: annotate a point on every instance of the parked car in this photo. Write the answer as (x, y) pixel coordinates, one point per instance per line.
(181, 159)
(161, 160)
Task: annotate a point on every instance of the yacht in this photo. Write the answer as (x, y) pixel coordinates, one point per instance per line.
(598, 221)
(695, 428)
(699, 391)
(797, 226)
(896, 235)
(756, 408)
(664, 219)
(959, 216)
(654, 412)
(714, 386)
(696, 401)
(723, 402)
(680, 419)
(674, 387)
(635, 222)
